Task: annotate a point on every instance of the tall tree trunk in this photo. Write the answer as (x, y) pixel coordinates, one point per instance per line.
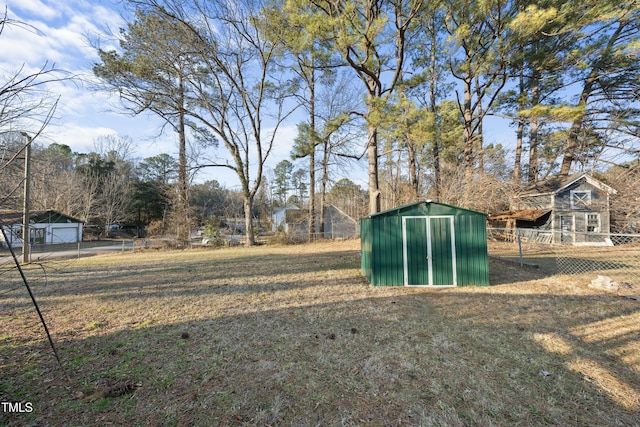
(517, 164)
(397, 180)
(413, 170)
(436, 165)
(312, 153)
(480, 135)
(323, 185)
(435, 148)
(247, 197)
(519, 133)
(468, 133)
(312, 191)
(182, 219)
(372, 155)
(248, 220)
(534, 166)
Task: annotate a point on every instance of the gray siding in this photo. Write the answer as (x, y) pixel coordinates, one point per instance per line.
(582, 207)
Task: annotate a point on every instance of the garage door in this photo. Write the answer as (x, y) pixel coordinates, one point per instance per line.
(64, 235)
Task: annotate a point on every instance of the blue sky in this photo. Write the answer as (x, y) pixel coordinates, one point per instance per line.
(65, 32)
(62, 38)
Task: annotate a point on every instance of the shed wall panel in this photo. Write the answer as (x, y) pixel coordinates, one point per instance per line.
(471, 248)
(365, 242)
(442, 254)
(387, 251)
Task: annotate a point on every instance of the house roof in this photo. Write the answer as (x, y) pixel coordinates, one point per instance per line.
(37, 217)
(556, 184)
(341, 213)
(530, 215)
(285, 209)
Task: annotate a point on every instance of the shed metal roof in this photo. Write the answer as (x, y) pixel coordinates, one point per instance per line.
(37, 216)
(414, 205)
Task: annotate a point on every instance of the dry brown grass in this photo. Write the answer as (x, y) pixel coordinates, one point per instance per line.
(294, 336)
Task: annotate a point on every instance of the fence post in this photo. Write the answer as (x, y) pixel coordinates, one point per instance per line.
(520, 248)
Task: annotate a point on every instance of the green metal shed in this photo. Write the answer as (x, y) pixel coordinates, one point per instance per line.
(425, 244)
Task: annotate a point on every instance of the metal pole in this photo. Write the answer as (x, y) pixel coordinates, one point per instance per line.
(26, 237)
(520, 248)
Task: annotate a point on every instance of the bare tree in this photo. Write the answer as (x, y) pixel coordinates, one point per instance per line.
(609, 94)
(26, 107)
(54, 184)
(336, 132)
(238, 90)
(25, 102)
(625, 204)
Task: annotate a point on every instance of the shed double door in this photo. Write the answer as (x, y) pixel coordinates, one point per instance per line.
(429, 254)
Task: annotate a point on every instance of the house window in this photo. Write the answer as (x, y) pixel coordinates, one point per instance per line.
(593, 223)
(580, 199)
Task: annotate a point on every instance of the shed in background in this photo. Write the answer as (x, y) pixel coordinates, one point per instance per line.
(337, 224)
(47, 227)
(425, 244)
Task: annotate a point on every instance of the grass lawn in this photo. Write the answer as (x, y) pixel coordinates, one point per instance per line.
(294, 336)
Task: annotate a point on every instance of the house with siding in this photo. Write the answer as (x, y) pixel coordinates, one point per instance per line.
(574, 209)
(279, 218)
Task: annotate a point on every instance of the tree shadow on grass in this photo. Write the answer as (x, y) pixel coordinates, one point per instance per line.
(506, 270)
(344, 353)
(217, 275)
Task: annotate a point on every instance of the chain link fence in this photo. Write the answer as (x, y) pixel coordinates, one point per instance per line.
(615, 256)
(42, 253)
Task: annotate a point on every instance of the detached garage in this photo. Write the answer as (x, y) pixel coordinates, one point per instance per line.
(46, 228)
(425, 244)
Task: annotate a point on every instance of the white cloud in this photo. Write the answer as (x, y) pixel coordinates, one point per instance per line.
(80, 138)
(35, 8)
(54, 32)
(65, 41)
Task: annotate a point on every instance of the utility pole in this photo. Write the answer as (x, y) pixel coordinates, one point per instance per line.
(26, 237)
